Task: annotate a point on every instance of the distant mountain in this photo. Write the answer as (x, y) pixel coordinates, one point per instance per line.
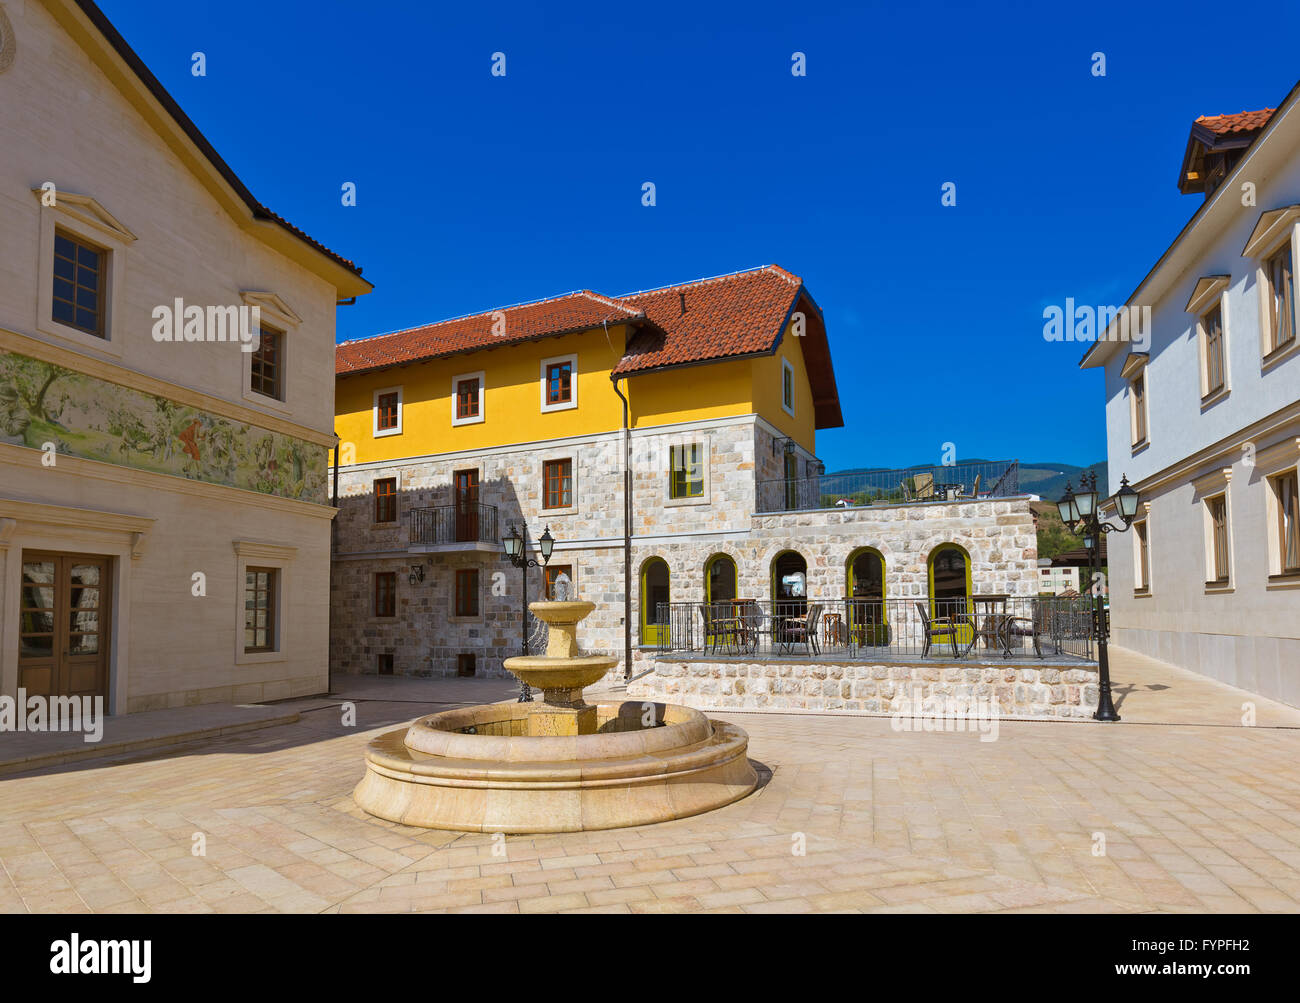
(1045, 479)
(1048, 480)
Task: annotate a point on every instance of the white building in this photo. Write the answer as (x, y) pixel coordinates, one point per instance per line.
(164, 513)
(1205, 419)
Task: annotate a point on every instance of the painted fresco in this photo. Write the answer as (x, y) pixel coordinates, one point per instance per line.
(83, 416)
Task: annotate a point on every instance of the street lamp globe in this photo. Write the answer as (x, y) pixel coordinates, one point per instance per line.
(1126, 501)
(547, 543)
(1068, 508)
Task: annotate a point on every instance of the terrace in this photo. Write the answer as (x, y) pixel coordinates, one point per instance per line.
(970, 481)
(984, 629)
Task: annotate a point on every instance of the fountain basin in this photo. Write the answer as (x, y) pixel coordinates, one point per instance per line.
(497, 778)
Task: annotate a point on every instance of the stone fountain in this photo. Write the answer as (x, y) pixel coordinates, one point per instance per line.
(558, 765)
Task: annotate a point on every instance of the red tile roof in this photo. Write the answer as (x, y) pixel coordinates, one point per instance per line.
(577, 311)
(1242, 121)
(732, 315)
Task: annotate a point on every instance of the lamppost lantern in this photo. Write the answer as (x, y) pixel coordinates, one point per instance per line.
(1081, 513)
(516, 548)
(1086, 501)
(789, 447)
(1068, 509)
(1126, 501)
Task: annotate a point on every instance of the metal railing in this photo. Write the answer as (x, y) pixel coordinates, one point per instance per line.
(464, 522)
(983, 627)
(995, 479)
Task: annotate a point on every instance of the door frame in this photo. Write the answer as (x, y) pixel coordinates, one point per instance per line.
(104, 609)
(35, 526)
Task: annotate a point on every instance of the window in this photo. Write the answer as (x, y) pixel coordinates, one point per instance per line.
(79, 280)
(787, 387)
(267, 364)
(466, 592)
(467, 398)
(1142, 571)
(559, 383)
(386, 593)
(388, 411)
(655, 596)
(1217, 510)
(386, 499)
(1212, 324)
(557, 484)
(1286, 493)
(1138, 398)
(260, 587)
(551, 574)
(1280, 328)
(686, 471)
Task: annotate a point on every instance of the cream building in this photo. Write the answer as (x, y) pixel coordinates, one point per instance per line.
(164, 516)
(1205, 419)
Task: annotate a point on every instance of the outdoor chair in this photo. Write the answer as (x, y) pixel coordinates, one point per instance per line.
(802, 631)
(944, 628)
(975, 491)
(720, 627)
(1024, 626)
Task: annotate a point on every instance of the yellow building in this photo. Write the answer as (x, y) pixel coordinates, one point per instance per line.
(698, 398)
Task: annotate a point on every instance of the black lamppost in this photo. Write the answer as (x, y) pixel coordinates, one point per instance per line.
(516, 548)
(1081, 514)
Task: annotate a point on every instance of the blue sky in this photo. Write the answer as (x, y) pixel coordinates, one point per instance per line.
(477, 191)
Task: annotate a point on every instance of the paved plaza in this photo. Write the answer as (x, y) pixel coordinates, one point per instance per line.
(1194, 811)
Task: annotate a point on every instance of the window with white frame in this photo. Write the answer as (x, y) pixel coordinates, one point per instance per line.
(1279, 320)
(1285, 488)
(1218, 567)
(1137, 391)
(1212, 358)
(559, 383)
(1141, 557)
(787, 387)
(467, 398)
(387, 405)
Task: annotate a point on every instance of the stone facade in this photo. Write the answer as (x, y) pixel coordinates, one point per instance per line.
(425, 638)
(1032, 690)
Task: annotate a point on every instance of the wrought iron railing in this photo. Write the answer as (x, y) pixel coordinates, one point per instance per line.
(991, 479)
(464, 522)
(993, 627)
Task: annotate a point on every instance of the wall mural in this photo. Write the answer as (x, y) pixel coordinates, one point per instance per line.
(97, 420)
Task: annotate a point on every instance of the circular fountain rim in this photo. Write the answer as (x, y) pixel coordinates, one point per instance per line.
(434, 735)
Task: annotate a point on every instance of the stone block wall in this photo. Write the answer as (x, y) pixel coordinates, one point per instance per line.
(1025, 689)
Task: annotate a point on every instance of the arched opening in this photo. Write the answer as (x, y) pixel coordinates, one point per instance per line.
(868, 614)
(719, 579)
(950, 585)
(789, 585)
(654, 592)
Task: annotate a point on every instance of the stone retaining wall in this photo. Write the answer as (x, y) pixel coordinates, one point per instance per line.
(1028, 689)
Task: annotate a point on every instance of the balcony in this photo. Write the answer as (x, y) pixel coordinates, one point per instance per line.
(913, 485)
(464, 526)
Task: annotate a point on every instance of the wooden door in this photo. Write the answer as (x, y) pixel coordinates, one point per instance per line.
(466, 489)
(63, 625)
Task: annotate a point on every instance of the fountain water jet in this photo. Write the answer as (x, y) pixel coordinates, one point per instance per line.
(561, 765)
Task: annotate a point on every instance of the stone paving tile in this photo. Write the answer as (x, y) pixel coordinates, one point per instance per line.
(1194, 818)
